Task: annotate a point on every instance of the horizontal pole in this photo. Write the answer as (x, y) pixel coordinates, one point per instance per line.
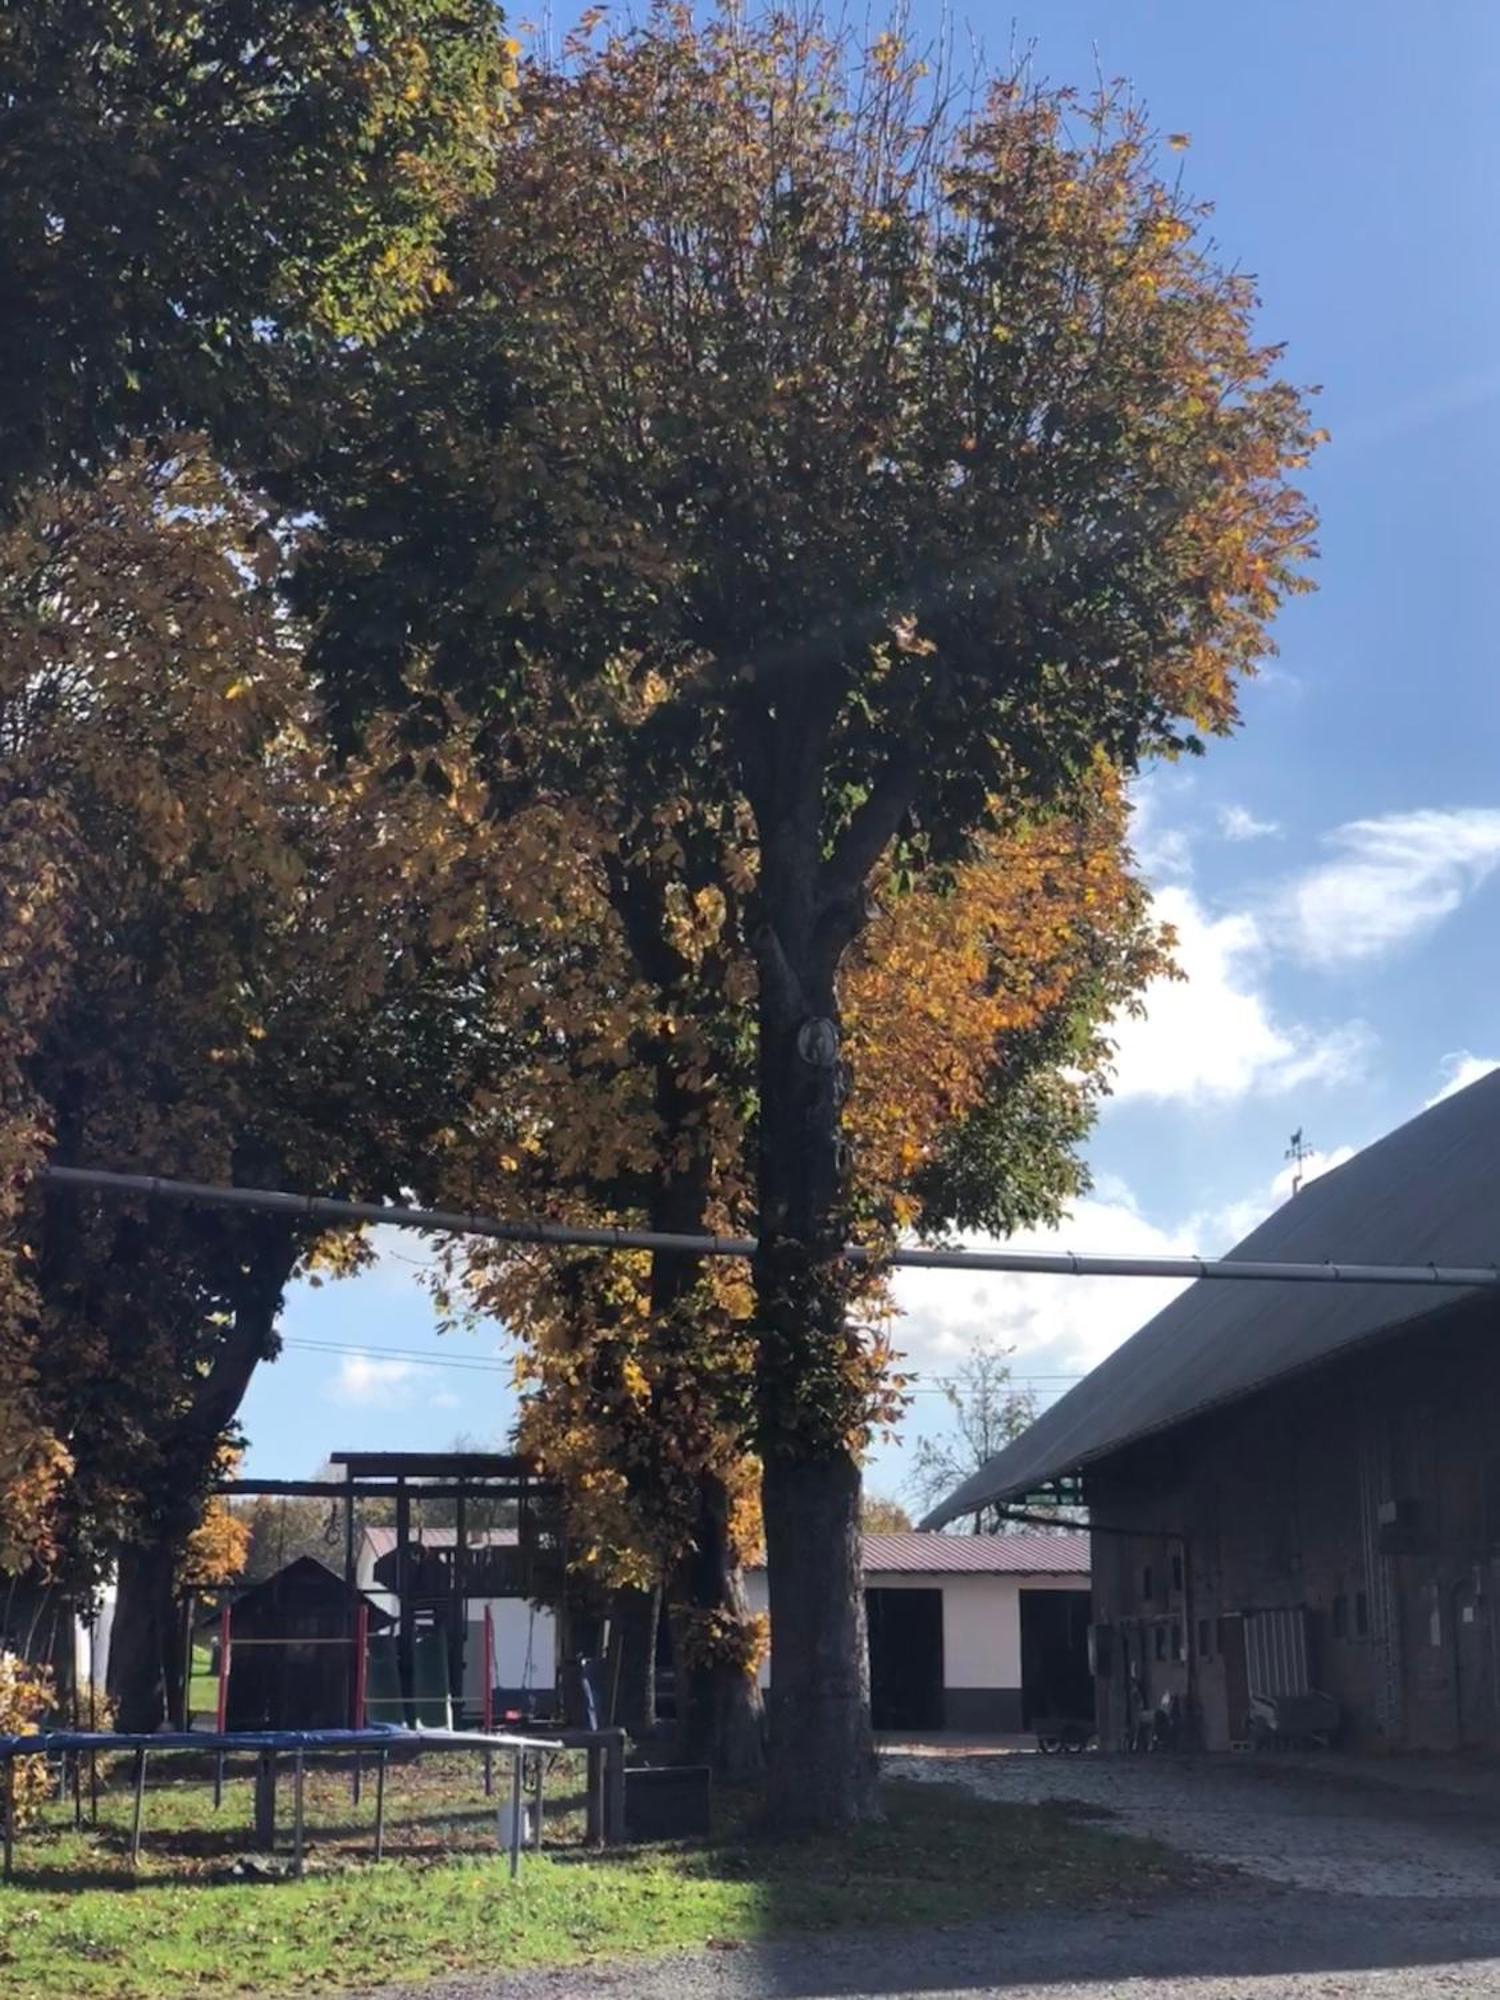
(329, 1211)
(482, 1494)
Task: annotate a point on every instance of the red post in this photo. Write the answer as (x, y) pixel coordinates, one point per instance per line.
(361, 1661)
(489, 1671)
(221, 1711)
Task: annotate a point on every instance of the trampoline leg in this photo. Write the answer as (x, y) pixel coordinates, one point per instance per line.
(536, 1804)
(218, 1781)
(93, 1788)
(77, 1790)
(298, 1773)
(489, 1774)
(380, 1807)
(10, 1816)
(140, 1800)
(357, 1785)
(515, 1814)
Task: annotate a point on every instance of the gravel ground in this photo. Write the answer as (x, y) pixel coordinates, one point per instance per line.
(1344, 1887)
(1274, 1818)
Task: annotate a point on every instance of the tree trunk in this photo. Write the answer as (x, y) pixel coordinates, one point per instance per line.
(720, 1712)
(822, 1770)
(634, 1619)
(145, 1667)
(144, 1673)
(812, 1398)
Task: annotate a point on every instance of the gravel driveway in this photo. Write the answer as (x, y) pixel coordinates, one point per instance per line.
(1344, 1886)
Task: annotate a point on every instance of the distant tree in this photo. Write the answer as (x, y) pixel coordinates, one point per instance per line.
(988, 1413)
(878, 1516)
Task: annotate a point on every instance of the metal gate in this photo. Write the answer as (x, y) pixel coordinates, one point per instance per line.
(1276, 1650)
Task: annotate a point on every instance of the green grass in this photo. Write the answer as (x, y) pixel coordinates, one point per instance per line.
(76, 1923)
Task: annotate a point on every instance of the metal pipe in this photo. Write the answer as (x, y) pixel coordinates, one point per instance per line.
(299, 1774)
(140, 1800)
(1066, 1264)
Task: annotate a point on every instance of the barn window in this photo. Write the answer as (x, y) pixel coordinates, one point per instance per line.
(1205, 1638)
(1177, 1572)
(1341, 1617)
(1161, 1642)
(1361, 1615)
(1147, 1592)
(1176, 1640)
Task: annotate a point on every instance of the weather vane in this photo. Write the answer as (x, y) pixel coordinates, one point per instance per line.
(1298, 1152)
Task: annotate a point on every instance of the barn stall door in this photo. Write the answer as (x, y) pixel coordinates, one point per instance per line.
(1056, 1684)
(906, 1658)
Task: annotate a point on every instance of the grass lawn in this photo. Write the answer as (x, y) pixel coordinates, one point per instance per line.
(76, 1923)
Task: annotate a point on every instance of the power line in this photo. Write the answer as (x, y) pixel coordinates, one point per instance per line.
(921, 1385)
(331, 1212)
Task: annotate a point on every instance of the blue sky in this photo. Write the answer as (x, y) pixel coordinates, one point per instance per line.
(1332, 870)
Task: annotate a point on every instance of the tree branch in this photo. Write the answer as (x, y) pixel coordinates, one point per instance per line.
(870, 831)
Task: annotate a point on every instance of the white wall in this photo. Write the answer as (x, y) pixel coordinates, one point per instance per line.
(981, 1620)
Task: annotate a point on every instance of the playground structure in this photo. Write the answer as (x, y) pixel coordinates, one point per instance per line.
(430, 1657)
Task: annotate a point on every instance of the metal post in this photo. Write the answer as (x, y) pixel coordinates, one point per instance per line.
(406, 1635)
(218, 1779)
(298, 1774)
(226, 1629)
(93, 1717)
(487, 1707)
(10, 1815)
(515, 1813)
(536, 1803)
(458, 1630)
(380, 1807)
(361, 1684)
(189, 1606)
(140, 1800)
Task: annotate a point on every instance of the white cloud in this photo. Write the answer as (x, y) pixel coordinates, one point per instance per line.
(1460, 1070)
(1163, 852)
(1238, 823)
(1213, 1035)
(1389, 880)
(445, 1400)
(1056, 1325)
(363, 1379)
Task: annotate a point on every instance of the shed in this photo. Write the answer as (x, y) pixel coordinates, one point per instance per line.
(292, 1649)
(985, 1634)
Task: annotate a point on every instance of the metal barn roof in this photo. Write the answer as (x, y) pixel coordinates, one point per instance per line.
(1046, 1554)
(1429, 1192)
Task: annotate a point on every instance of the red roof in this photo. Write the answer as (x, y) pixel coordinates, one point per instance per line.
(1064, 1553)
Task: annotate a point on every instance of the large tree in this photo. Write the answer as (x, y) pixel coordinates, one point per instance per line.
(195, 193)
(258, 974)
(828, 479)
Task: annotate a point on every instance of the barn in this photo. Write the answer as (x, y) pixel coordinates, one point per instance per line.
(1295, 1487)
(974, 1633)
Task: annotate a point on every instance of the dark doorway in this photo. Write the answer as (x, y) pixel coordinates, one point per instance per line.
(906, 1658)
(1056, 1684)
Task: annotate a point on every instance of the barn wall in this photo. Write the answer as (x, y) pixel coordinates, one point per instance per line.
(1367, 1495)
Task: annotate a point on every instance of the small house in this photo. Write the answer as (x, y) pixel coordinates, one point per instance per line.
(292, 1649)
(984, 1634)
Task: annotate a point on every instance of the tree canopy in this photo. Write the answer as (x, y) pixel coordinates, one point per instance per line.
(191, 189)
